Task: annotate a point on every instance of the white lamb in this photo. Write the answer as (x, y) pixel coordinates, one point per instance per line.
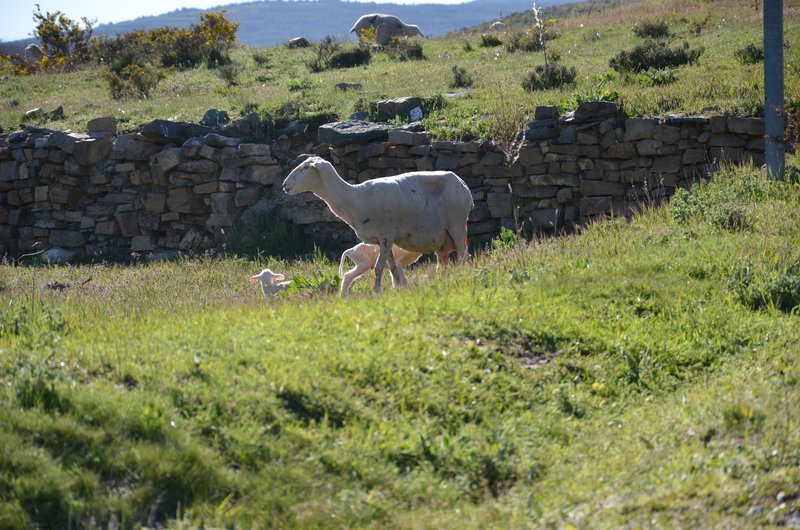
(421, 211)
(386, 27)
(364, 257)
(271, 282)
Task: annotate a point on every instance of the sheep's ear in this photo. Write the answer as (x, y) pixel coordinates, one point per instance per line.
(278, 277)
(254, 279)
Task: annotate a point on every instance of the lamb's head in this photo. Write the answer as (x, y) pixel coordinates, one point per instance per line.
(304, 177)
(267, 277)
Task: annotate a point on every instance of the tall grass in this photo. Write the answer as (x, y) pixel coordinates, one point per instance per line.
(617, 377)
(266, 76)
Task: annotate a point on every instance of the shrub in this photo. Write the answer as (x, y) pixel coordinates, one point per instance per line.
(405, 50)
(230, 73)
(323, 51)
(549, 76)
(529, 41)
(357, 56)
(654, 54)
(652, 29)
(133, 81)
(461, 79)
(489, 40)
(750, 54)
(62, 38)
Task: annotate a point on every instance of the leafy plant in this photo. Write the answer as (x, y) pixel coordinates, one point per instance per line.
(653, 29)
(750, 54)
(543, 77)
(490, 40)
(461, 78)
(664, 76)
(405, 50)
(62, 38)
(358, 56)
(654, 54)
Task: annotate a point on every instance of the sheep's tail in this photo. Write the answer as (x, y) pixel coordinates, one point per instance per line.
(345, 255)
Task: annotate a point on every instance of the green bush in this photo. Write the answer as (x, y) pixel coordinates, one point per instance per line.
(406, 50)
(652, 29)
(654, 54)
(461, 78)
(750, 54)
(323, 51)
(529, 41)
(358, 56)
(133, 81)
(549, 76)
(489, 40)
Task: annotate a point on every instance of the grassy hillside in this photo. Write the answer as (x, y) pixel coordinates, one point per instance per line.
(272, 22)
(639, 374)
(277, 82)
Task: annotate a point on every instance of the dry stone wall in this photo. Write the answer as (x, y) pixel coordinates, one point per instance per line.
(180, 187)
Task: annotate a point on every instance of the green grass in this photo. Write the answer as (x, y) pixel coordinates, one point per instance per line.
(266, 76)
(619, 377)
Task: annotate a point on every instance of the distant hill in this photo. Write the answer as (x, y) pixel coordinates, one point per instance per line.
(271, 22)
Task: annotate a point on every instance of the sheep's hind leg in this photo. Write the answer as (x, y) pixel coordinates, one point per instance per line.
(385, 254)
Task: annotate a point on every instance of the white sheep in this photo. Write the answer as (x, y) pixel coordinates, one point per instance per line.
(271, 282)
(421, 211)
(498, 25)
(386, 27)
(364, 256)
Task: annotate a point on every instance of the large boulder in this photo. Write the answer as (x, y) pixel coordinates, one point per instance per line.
(175, 132)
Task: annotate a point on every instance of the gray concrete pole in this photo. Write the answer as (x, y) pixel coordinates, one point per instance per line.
(773, 87)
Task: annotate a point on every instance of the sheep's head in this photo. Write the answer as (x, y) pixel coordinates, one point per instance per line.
(304, 177)
(267, 277)
(411, 30)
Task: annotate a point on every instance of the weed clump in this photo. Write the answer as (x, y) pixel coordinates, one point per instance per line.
(551, 75)
(461, 78)
(490, 41)
(359, 56)
(653, 29)
(405, 50)
(525, 41)
(654, 54)
(750, 54)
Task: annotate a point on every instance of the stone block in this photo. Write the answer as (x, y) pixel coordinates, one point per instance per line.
(254, 150)
(169, 159)
(183, 200)
(499, 204)
(264, 175)
(205, 188)
(666, 164)
(66, 238)
(247, 197)
(219, 220)
(128, 223)
(639, 129)
(624, 150)
(718, 124)
(223, 203)
(589, 188)
(142, 243)
(648, 147)
(531, 155)
(447, 160)
(694, 156)
(667, 134)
